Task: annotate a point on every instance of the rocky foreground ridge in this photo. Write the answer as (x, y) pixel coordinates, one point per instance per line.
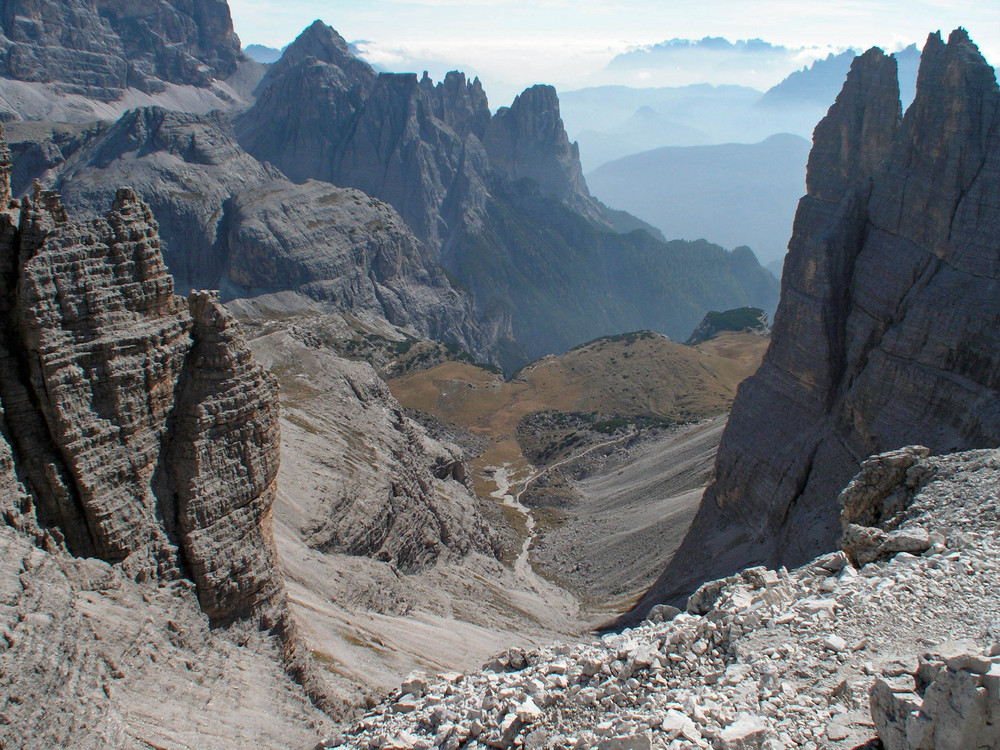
(893, 637)
(885, 334)
(139, 450)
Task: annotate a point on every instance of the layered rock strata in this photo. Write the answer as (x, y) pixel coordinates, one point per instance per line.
(99, 49)
(886, 332)
(140, 429)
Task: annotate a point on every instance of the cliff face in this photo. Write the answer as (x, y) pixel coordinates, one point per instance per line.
(347, 250)
(139, 426)
(422, 147)
(886, 334)
(185, 166)
(97, 49)
(528, 140)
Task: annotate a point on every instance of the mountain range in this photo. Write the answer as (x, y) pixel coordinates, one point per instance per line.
(494, 236)
(219, 527)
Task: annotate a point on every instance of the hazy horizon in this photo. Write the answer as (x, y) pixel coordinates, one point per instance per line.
(512, 44)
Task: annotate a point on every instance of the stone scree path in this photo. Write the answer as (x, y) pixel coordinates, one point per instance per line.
(767, 659)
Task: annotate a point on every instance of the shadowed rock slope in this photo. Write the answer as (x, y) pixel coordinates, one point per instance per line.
(230, 222)
(139, 444)
(499, 200)
(886, 334)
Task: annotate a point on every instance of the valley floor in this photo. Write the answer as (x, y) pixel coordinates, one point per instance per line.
(368, 624)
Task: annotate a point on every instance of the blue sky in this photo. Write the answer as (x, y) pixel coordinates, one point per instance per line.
(515, 43)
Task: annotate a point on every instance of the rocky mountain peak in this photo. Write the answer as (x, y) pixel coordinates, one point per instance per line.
(855, 136)
(885, 335)
(528, 139)
(320, 43)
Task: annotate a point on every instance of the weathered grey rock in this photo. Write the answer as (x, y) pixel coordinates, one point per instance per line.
(747, 733)
(365, 484)
(863, 544)
(914, 541)
(528, 140)
(957, 706)
(662, 613)
(499, 201)
(139, 435)
(93, 660)
(228, 221)
(348, 251)
(99, 50)
(185, 166)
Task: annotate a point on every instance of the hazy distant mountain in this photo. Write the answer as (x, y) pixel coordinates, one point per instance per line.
(820, 83)
(613, 121)
(262, 54)
(731, 194)
(677, 62)
(610, 122)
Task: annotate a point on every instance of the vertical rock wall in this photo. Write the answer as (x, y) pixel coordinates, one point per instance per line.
(888, 330)
(137, 428)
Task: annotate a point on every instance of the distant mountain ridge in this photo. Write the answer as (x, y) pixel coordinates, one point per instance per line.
(732, 194)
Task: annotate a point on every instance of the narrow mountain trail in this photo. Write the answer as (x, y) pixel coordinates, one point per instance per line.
(554, 595)
(571, 459)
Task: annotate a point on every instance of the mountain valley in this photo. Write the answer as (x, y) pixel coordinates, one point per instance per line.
(337, 411)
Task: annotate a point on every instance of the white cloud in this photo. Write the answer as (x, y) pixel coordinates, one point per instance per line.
(513, 43)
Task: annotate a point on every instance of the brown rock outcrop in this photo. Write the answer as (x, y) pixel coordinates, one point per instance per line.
(886, 334)
(142, 431)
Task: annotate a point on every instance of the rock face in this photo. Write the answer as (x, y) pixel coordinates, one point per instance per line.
(186, 166)
(139, 444)
(499, 201)
(528, 140)
(347, 250)
(142, 431)
(98, 49)
(362, 474)
(229, 222)
(885, 334)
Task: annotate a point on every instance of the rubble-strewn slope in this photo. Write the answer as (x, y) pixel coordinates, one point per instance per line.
(771, 659)
(886, 331)
(369, 482)
(139, 448)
